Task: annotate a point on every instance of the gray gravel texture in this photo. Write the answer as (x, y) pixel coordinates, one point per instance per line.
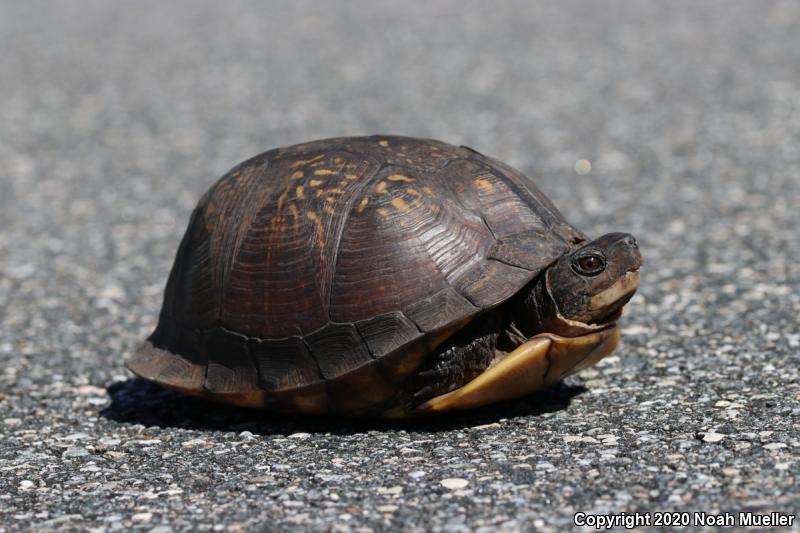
(117, 116)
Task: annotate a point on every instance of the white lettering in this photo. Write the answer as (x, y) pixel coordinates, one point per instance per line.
(701, 519)
(683, 519)
(625, 520)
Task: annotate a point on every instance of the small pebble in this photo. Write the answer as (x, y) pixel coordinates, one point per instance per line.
(713, 437)
(75, 452)
(161, 529)
(454, 483)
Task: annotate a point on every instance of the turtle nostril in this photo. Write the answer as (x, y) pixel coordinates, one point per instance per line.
(632, 242)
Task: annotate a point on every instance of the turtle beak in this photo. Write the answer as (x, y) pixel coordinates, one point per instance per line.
(616, 295)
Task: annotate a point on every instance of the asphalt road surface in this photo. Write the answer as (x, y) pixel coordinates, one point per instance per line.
(115, 117)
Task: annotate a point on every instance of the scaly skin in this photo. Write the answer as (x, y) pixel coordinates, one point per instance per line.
(459, 359)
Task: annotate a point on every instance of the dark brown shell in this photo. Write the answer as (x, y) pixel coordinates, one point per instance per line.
(320, 275)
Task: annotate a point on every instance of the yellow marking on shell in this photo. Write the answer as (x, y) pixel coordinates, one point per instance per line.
(330, 199)
(382, 211)
(351, 176)
(483, 184)
(362, 204)
(314, 183)
(428, 191)
(301, 162)
(278, 222)
(282, 199)
(400, 177)
(312, 216)
(210, 218)
(381, 187)
(337, 160)
(295, 213)
(324, 172)
(413, 192)
(328, 209)
(299, 191)
(400, 204)
(297, 174)
(335, 191)
(384, 143)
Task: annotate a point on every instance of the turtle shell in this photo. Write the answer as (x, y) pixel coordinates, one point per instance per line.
(317, 277)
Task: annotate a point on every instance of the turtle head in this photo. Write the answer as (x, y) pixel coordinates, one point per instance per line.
(591, 284)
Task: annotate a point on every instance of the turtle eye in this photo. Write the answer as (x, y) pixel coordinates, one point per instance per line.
(589, 264)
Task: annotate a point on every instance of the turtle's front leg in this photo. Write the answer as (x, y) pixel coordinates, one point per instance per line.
(457, 360)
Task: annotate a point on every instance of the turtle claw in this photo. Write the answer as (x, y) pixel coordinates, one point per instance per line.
(439, 371)
(456, 363)
(424, 393)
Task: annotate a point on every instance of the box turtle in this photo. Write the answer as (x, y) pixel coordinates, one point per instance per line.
(383, 276)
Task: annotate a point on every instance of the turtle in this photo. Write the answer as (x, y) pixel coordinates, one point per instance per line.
(382, 276)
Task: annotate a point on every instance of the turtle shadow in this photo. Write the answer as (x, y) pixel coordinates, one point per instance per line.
(136, 401)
